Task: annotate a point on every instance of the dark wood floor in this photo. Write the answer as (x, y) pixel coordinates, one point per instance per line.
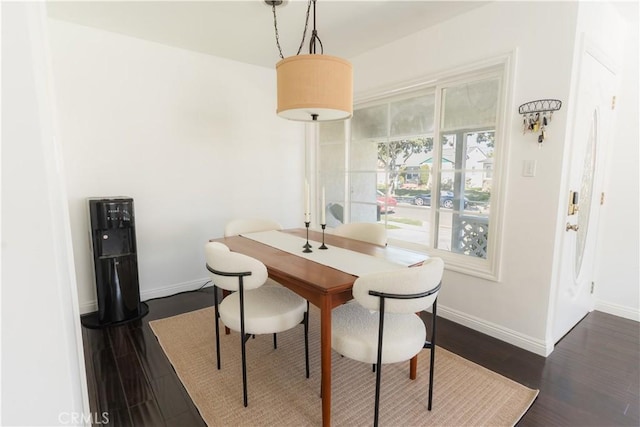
(591, 378)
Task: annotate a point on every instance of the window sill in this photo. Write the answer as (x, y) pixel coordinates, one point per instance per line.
(476, 267)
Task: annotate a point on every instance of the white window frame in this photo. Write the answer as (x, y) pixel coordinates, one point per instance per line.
(504, 65)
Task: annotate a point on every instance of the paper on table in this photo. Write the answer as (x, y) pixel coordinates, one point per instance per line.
(341, 259)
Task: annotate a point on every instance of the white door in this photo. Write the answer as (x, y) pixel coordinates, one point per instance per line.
(592, 133)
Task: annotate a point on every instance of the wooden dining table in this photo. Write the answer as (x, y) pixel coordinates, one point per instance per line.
(323, 286)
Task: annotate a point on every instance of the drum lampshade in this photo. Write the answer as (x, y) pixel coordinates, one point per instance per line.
(315, 87)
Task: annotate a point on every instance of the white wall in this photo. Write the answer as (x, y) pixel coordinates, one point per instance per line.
(194, 139)
(515, 308)
(202, 146)
(617, 288)
(43, 376)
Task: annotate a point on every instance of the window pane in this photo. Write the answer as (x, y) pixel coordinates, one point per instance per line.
(363, 197)
(332, 146)
(406, 161)
(363, 187)
(470, 105)
(409, 223)
(448, 160)
(464, 234)
(331, 132)
(391, 157)
(364, 156)
(334, 184)
(331, 159)
(479, 172)
(413, 116)
(447, 178)
(469, 114)
(361, 212)
(369, 122)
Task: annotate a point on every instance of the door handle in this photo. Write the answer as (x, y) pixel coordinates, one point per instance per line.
(573, 227)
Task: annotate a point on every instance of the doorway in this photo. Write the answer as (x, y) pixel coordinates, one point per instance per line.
(592, 131)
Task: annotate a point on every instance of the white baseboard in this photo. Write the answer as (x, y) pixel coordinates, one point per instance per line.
(91, 306)
(526, 342)
(630, 313)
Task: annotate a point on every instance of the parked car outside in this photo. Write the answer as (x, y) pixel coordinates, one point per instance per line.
(446, 200)
(387, 203)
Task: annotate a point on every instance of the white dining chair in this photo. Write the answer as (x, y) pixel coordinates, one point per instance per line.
(251, 308)
(240, 226)
(249, 225)
(382, 327)
(370, 232)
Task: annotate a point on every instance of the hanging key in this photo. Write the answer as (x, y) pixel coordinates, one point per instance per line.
(542, 136)
(536, 124)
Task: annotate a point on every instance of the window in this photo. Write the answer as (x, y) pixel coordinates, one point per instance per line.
(425, 162)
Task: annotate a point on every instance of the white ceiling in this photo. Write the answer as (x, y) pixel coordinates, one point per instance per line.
(242, 30)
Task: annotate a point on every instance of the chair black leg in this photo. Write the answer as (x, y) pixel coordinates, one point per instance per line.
(379, 363)
(244, 372)
(306, 339)
(243, 340)
(275, 342)
(433, 352)
(377, 403)
(215, 303)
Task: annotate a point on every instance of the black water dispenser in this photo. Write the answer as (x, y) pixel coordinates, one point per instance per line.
(113, 243)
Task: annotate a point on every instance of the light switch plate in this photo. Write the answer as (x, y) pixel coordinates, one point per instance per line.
(529, 168)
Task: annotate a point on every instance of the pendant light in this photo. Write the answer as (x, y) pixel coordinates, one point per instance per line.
(313, 87)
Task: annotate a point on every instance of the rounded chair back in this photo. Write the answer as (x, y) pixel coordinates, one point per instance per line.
(221, 259)
(370, 232)
(412, 280)
(239, 226)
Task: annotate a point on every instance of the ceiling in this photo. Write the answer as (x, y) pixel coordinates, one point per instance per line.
(242, 30)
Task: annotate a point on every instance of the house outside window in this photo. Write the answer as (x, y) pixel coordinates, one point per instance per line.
(384, 165)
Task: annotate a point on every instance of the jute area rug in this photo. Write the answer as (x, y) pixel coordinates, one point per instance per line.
(465, 394)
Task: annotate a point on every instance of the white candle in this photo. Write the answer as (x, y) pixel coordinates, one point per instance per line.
(307, 212)
(324, 219)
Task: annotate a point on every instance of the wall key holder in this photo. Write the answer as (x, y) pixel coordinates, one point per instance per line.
(536, 115)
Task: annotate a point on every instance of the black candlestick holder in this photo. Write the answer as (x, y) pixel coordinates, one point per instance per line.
(323, 246)
(307, 246)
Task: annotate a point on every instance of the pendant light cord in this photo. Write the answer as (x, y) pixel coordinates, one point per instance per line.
(304, 33)
(314, 34)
